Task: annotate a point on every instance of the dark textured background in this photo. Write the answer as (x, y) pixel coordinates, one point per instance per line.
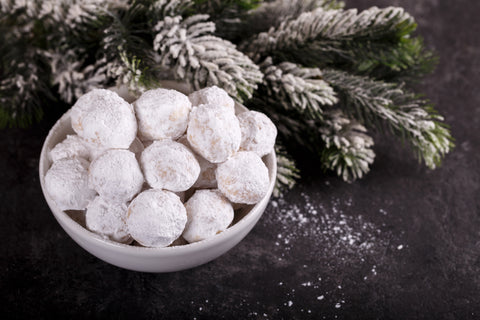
(416, 233)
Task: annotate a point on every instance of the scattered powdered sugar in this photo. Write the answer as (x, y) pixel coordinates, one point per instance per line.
(336, 232)
(333, 236)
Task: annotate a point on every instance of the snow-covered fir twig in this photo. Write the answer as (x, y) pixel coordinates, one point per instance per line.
(188, 46)
(407, 116)
(328, 26)
(287, 172)
(295, 87)
(348, 148)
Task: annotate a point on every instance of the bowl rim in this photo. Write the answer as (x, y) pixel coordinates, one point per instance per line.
(254, 212)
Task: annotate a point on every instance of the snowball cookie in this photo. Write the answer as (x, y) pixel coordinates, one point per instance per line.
(212, 95)
(162, 113)
(213, 132)
(107, 219)
(95, 151)
(206, 178)
(67, 184)
(243, 178)
(103, 118)
(258, 132)
(169, 165)
(116, 175)
(156, 218)
(72, 146)
(208, 213)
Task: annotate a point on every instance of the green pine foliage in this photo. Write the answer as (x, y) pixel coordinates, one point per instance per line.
(386, 105)
(375, 42)
(323, 74)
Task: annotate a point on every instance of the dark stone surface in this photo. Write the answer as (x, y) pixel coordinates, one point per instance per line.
(402, 243)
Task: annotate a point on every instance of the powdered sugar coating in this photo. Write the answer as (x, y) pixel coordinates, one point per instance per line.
(169, 165)
(243, 178)
(212, 95)
(162, 113)
(107, 219)
(156, 218)
(213, 132)
(67, 184)
(208, 213)
(71, 146)
(116, 175)
(258, 132)
(95, 151)
(206, 178)
(104, 119)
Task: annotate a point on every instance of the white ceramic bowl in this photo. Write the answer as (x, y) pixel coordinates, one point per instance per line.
(153, 259)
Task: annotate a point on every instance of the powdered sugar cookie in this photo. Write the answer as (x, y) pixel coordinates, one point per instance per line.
(108, 220)
(212, 95)
(169, 165)
(243, 178)
(116, 175)
(67, 184)
(206, 178)
(156, 218)
(162, 113)
(103, 118)
(258, 132)
(213, 132)
(72, 146)
(208, 213)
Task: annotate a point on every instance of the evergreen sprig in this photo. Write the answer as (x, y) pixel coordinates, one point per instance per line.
(348, 147)
(406, 115)
(375, 42)
(287, 172)
(198, 57)
(297, 87)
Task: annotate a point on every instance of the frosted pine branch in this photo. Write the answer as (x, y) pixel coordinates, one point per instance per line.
(62, 12)
(271, 14)
(406, 115)
(376, 42)
(295, 87)
(348, 148)
(202, 59)
(329, 25)
(72, 78)
(287, 172)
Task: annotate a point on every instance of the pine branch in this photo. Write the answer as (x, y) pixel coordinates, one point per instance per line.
(72, 78)
(23, 90)
(402, 112)
(269, 15)
(297, 87)
(228, 15)
(348, 149)
(287, 172)
(373, 41)
(202, 59)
